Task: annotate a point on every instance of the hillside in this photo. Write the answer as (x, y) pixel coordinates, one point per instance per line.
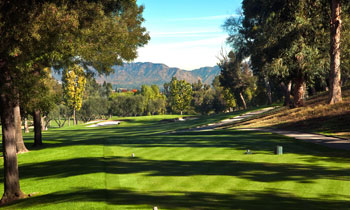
(317, 116)
(133, 75)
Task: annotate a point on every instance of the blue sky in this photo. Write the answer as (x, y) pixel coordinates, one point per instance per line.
(185, 33)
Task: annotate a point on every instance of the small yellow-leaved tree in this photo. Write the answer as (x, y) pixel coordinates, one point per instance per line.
(74, 81)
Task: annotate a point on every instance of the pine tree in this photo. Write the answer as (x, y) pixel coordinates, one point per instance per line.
(284, 40)
(335, 95)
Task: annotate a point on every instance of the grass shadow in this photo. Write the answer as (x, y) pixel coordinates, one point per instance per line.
(146, 137)
(245, 200)
(252, 171)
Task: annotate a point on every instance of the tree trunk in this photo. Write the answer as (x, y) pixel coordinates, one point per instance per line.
(243, 101)
(313, 91)
(74, 122)
(299, 91)
(46, 122)
(287, 90)
(43, 123)
(26, 127)
(37, 128)
(268, 91)
(20, 146)
(59, 121)
(62, 123)
(335, 95)
(68, 121)
(12, 189)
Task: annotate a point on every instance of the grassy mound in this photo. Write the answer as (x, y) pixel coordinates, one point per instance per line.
(317, 116)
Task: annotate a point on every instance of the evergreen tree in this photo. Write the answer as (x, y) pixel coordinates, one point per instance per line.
(237, 77)
(335, 95)
(223, 98)
(284, 39)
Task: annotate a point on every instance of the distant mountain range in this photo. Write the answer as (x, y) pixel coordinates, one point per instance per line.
(133, 75)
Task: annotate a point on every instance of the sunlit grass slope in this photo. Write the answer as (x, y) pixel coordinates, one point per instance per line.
(92, 168)
(316, 116)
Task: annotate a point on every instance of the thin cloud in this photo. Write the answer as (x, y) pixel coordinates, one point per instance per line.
(206, 33)
(186, 55)
(202, 42)
(184, 32)
(217, 17)
(186, 44)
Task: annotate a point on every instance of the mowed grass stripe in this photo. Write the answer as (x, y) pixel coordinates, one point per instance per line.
(189, 182)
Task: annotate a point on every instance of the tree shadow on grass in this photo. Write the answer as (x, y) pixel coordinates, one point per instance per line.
(332, 124)
(246, 200)
(253, 171)
(259, 142)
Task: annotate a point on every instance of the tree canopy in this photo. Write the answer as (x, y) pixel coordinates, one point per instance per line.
(285, 40)
(180, 95)
(35, 35)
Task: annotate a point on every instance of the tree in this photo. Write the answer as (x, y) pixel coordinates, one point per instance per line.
(223, 98)
(236, 76)
(93, 108)
(154, 101)
(203, 97)
(39, 34)
(92, 88)
(16, 58)
(106, 89)
(345, 45)
(335, 95)
(156, 105)
(52, 99)
(138, 105)
(12, 189)
(180, 95)
(38, 100)
(20, 146)
(284, 39)
(73, 86)
(127, 105)
(155, 90)
(59, 114)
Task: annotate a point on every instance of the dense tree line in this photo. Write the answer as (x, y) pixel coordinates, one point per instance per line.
(100, 101)
(289, 45)
(177, 97)
(198, 98)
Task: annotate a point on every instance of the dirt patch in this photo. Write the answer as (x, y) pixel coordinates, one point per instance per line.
(316, 117)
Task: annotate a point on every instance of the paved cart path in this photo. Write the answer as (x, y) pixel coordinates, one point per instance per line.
(329, 141)
(228, 121)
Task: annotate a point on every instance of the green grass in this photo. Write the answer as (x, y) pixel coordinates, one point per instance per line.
(92, 168)
(54, 124)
